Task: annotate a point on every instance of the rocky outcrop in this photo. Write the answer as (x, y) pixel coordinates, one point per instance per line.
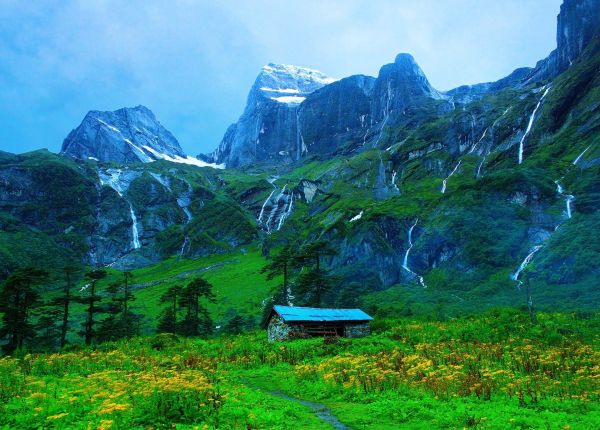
(128, 135)
(267, 131)
(399, 85)
(337, 114)
(293, 112)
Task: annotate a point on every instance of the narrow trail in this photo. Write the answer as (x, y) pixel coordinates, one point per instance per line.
(182, 275)
(321, 411)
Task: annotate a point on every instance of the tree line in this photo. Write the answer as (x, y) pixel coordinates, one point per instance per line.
(32, 323)
(305, 280)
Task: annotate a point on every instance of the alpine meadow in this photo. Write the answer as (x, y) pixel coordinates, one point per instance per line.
(355, 253)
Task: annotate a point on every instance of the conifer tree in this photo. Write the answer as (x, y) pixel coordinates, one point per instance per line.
(63, 302)
(168, 321)
(91, 299)
(18, 297)
(197, 321)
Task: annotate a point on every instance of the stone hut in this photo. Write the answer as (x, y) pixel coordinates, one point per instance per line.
(288, 322)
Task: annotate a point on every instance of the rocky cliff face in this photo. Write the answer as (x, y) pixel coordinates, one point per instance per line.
(293, 112)
(128, 135)
(399, 85)
(335, 115)
(577, 23)
(267, 131)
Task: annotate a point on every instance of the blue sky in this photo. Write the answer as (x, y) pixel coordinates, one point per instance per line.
(193, 62)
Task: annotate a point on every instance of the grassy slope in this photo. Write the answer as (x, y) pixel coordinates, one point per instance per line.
(238, 285)
(495, 371)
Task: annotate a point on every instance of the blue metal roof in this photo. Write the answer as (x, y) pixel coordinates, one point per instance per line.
(294, 314)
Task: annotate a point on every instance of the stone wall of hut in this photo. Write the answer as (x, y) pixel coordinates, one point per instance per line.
(357, 330)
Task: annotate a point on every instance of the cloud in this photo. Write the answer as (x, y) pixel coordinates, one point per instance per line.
(193, 62)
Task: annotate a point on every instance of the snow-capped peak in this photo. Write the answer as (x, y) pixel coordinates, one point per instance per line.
(289, 84)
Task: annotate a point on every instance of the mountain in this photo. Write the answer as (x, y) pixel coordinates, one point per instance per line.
(267, 130)
(293, 112)
(127, 135)
(451, 202)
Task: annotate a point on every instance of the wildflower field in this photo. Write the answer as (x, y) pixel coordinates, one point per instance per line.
(496, 371)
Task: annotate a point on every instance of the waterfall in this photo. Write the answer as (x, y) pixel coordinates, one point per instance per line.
(134, 229)
(262, 210)
(405, 261)
(525, 263)
(357, 217)
(568, 198)
(530, 124)
(486, 130)
(386, 112)
(185, 243)
(286, 213)
(394, 174)
(112, 178)
(581, 155)
(445, 181)
(298, 135)
(281, 209)
(480, 139)
(480, 166)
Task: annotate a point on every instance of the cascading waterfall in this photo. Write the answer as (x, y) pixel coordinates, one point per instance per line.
(530, 124)
(480, 139)
(394, 174)
(485, 132)
(289, 297)
(286, 213)
(134, 229)
(405, 261)
(581, 155)
(525, 263)
(445, 181)
(262, 209)
(480, 166)
(568, 198)
(298, 136)
(186, 241)
(114, 182)
(280, 209)
(386, 112)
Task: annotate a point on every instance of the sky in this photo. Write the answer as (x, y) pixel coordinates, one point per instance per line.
(192, 62)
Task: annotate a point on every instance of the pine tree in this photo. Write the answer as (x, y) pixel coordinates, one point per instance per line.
(281, 266)
(91, 299)
(314, 282)
(17, 299)
(312, 252)
(197, 321)
(168, 320)
(63, 302)
(235, 325)
(121, 322)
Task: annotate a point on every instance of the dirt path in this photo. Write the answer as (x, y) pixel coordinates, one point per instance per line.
(321, 411)
(182, 275)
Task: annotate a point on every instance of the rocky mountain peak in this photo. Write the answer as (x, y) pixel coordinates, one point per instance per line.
(398, 85)
(578, 22)
(289, 84)
(126, 135)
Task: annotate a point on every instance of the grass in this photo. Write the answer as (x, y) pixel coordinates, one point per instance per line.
(494, 371)
(238, 285)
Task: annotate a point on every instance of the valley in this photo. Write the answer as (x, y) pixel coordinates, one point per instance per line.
(135, 279)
